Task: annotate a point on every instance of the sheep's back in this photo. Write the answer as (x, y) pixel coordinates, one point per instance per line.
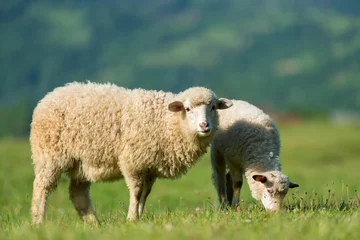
(86, 124)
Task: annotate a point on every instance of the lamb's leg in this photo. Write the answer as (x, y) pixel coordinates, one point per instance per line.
(80, 197)
(219, 178)
(237, 182)
(148, 183)
(135, 183)
(229, 188)
(46, 178)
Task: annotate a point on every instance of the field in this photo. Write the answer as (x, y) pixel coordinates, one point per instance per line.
(322, 158)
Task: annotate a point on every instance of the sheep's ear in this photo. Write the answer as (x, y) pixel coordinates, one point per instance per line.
(224, 103)
(293, 185)
(176, 106)
(260, 178)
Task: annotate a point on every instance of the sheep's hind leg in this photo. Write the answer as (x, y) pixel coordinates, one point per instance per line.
(80, 197)
(46, 178)
(148, 183)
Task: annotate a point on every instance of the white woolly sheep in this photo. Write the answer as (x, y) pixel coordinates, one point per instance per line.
(102, 132)
(248, 143)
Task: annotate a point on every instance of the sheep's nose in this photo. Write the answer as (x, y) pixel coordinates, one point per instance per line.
(204, 125)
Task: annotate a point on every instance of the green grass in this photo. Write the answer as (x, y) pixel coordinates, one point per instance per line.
(322, 158)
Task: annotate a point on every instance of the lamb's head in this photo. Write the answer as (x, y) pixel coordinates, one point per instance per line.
(198, 107)
(270, 188)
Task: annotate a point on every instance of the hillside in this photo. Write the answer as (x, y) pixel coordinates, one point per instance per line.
(284, 54)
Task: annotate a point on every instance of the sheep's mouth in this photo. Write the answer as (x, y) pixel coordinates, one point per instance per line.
(204, 133)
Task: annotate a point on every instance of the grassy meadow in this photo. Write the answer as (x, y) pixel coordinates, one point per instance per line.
(323, 159)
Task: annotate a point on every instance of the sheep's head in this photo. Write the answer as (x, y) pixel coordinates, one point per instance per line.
(270, 188)
(199, 107)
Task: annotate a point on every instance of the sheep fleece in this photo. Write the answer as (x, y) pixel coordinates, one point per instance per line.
(97, 131)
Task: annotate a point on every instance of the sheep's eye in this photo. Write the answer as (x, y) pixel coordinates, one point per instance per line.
(213, 107)
(187, 109)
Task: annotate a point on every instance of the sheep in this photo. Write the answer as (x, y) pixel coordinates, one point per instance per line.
(248, 143)
(102, 132)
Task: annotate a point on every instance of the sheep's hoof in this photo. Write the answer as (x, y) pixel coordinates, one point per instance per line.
(132, 218)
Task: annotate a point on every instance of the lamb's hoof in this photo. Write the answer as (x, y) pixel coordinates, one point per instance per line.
(91, 220)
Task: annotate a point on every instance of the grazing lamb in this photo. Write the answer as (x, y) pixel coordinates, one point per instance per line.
(248, 143)
(101, 132)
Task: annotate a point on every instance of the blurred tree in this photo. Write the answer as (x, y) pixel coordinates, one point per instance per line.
(279, 53)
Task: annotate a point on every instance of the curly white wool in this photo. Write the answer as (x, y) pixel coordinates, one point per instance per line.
(102, 132)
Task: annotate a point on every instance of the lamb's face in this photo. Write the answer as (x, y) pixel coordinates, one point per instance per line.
(271, 188)
(199, 111)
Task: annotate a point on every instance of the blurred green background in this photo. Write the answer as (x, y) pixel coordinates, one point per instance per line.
(287, 56)
(299, 60)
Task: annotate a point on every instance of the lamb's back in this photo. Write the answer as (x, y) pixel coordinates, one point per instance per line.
(246, 132)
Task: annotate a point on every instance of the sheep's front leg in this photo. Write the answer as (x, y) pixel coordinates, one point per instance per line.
(219, 178)
(135, 184)
(148, 183)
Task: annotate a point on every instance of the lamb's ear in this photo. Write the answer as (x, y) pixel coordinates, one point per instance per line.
(224, 103)
(260, 178)
(176, 106)
(293, 185)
